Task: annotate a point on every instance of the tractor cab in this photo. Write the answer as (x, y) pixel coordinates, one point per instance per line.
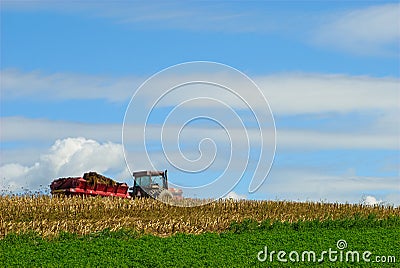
(150, 184)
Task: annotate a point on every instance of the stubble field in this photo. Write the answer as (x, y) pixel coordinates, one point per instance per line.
(46, 231)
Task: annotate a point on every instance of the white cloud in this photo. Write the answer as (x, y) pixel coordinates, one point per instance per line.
(197, 16)
(370, 30)
(373, 30)
(13, 130)
(64, 86)
(288, 94)
(304, 139)
(371, 201)
(235, 196)
(318, 93)
(305, 180)
(67, 157)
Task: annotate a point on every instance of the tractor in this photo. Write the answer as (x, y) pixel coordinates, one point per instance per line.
(150, 184)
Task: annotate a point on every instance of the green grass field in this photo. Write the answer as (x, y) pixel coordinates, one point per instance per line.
(236, 247)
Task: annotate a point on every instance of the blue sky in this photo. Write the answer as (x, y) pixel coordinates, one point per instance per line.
(329, 70)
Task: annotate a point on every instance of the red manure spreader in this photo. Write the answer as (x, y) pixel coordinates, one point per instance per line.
(152, 184)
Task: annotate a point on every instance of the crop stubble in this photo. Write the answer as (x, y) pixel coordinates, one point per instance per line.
(48, 216)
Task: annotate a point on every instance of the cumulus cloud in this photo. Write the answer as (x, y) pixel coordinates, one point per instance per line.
(235, 196)
(67, 157)
(371, 30)
(371, 201)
